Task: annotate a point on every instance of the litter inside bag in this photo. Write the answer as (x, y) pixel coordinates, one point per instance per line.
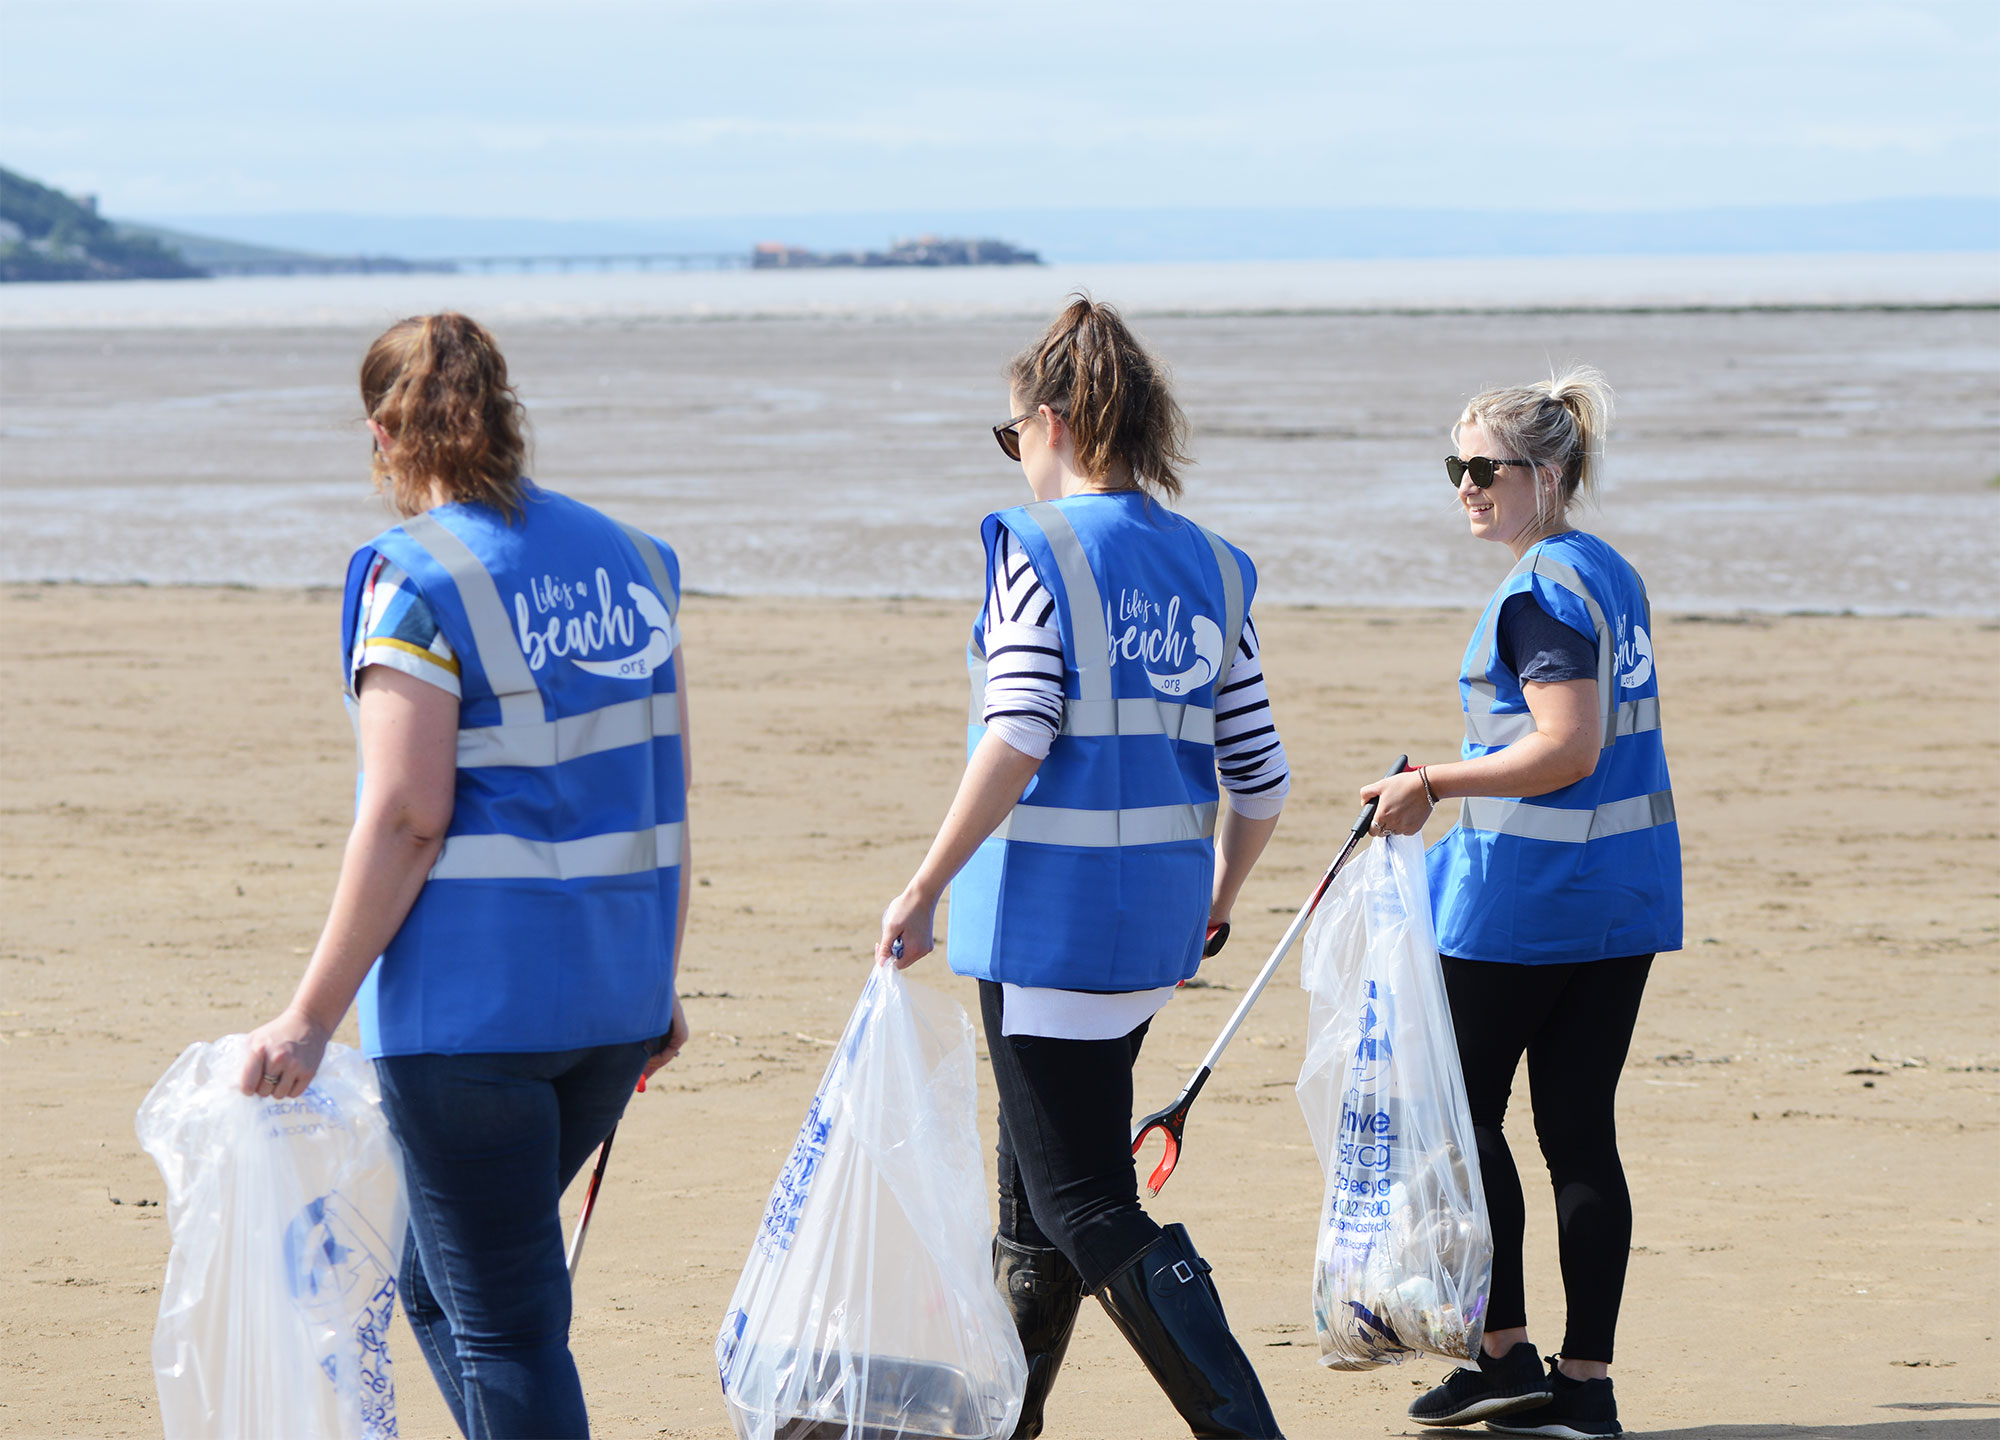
(287, 1219)
(867, 1307)
(1405, 1249)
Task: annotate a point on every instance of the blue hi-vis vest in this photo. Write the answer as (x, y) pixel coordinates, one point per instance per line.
(1100, 878)
(547, 922)
(1591, 871)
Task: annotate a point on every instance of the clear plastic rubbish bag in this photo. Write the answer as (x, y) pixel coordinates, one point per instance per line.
(288, 1219)
(1405, 1250)
(867, 1308)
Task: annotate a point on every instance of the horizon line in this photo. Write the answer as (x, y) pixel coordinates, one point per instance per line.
(1189, 209)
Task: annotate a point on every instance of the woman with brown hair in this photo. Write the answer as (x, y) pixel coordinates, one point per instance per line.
(513, 893)
(1115, 674)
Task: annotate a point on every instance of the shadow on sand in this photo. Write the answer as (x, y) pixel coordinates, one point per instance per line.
(1918, 1420)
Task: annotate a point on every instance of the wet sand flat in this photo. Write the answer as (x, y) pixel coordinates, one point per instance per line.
(1770, 460)
(1810, 1116)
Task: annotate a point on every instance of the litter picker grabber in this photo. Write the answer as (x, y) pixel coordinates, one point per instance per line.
(1171, 1121)
(597, 1173)
(589, 1202)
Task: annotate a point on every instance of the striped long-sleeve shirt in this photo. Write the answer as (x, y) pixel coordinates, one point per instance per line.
(1024, 689)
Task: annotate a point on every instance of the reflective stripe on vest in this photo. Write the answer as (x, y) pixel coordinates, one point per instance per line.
(1098, 878)
(1607, 658)
(1142, 716)
(1173, 719)
(1591, 869)
(492, 632)
(1630, 717)
(510, 857)
(1102, 829)
(649, 556)
(1147, 716)
(1092, 641)
(547, 921)
(551, 742)
(523, 737)
(1097, 712)
(1232, 601)
(1634, 717)
(1570, 827)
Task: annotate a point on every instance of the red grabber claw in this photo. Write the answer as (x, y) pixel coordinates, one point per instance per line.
(1169, 1158)
(1170, 1122)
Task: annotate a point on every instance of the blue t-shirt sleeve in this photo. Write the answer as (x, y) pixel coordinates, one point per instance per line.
(1536, 646)
(395, 628)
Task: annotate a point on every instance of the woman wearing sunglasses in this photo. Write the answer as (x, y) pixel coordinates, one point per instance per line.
(1557, 887)
(1115, 674)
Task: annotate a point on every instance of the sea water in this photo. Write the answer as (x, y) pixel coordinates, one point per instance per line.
(827, 433)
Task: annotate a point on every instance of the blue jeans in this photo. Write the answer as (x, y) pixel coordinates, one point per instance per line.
(489, 1144)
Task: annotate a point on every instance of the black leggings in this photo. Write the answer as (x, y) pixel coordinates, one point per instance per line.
(1066, 1173)
(1575, 1023)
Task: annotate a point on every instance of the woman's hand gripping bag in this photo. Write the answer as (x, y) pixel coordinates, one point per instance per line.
(867, 1308)
(288, 1219)
(1405, 1250)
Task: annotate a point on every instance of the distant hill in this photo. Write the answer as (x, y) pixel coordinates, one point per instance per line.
(210, 250)
(47, 235)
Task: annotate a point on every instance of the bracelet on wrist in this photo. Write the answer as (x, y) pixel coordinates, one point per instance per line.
(1423, 775)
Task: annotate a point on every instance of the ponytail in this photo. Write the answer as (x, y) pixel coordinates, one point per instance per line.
(1091, 370)
(1584, 393)
(438, 385)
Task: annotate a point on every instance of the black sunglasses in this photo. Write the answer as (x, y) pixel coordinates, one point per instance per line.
(1009, 436)
(1479, 467)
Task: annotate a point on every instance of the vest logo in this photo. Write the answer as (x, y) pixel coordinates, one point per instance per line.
(1635, 658)
(1143, 631)
(556, 619)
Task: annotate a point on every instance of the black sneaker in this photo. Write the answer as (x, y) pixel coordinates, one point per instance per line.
(1505, 1386)
(1581, 1410)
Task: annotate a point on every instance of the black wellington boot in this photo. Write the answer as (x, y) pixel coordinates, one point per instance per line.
(1163, 1302)
(1043, 1293)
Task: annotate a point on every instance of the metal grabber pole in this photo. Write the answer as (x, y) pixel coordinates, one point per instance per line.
(590, 1201)
(1171, 1121)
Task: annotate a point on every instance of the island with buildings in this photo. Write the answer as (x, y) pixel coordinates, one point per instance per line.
(924, 250)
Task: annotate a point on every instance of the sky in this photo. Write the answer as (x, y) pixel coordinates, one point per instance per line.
(598, 109)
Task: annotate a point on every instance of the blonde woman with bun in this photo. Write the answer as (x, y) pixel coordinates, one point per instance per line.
(1559, 884)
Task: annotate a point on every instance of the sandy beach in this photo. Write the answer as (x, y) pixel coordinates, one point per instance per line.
(1810, 1115)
